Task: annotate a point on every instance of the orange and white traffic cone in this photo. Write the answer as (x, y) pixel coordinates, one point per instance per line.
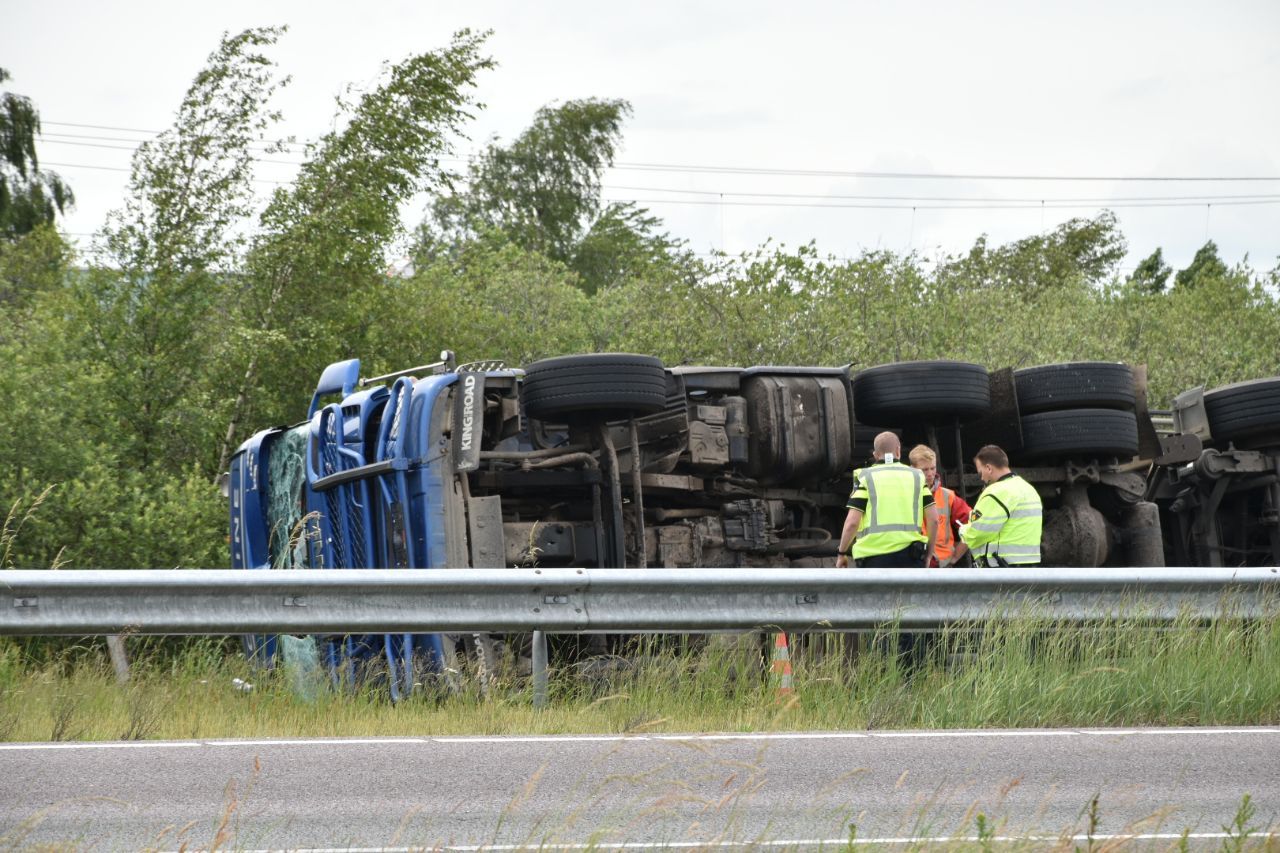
(781, 665)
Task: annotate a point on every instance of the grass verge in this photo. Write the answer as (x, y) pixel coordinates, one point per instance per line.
(1017, 672)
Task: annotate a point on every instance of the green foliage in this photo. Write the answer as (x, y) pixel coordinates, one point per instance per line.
(1205, 265)
(1241, 827)
(51, 424)
(316, 268)
(1152, 273)
(543, 190)
(542, 193)
(191, 185)
(37, 262)
(495, 301)
(624, 244)
(15, 519)
(29, 196)
(1087, 249)
(151, 315)
(113, 516)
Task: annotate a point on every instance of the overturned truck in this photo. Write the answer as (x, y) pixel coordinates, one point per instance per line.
(614, 460)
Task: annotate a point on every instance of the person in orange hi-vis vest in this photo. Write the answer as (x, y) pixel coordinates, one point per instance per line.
(952, 509)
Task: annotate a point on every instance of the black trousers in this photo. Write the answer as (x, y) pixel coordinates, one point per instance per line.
(912, 647)
(910, 557)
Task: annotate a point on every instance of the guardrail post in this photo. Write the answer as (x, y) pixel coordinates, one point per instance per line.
(539, 669)
(119, 660)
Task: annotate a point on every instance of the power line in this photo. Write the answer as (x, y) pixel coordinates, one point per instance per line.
(1012, 201)
(151, 133)
(119, 169)
(823, 173)
(94, 136)
(90, 144)
(99, 127)
(87, 166)
(961, 203)
(1037, 206)
(62, 137)
(833, 173)
(1027, 200)
(140, 141)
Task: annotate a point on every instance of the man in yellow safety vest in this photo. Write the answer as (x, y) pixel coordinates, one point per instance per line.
(1005, 527)
(889, 503)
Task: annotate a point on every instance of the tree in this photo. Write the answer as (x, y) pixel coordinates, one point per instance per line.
(34, 263)
(1152, 273)
(1079, 250)
(318, 261)
(29, 196)
(155, 311)
(191, 186)
(542, 193)
(499, 301)
(624, 244)
(1206, 264)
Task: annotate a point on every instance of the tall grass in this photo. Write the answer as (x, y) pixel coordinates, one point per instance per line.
(1017, 672)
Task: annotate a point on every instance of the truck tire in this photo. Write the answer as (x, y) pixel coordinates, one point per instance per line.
(1080, 433)
(894, 394)
(602, 384)
(1245, 410)
(1074, 385)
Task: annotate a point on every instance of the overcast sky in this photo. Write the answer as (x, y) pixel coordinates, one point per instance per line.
(1122, 90)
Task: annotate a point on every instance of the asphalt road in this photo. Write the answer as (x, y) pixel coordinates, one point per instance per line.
(760, 790)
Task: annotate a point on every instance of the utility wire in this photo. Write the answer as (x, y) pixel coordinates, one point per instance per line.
(1027, 200)
(1200, 199)
(979, 206)
(140, 141)
(119, 169)
(832, 173)
(962, 203)
(822, 173)
(151, 133)
(86, 166)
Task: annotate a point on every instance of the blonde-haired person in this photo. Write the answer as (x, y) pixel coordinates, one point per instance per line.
(952, 509)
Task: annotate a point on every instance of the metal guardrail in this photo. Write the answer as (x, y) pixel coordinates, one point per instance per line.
(214, 602)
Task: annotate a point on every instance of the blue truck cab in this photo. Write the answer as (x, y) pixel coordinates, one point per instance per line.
(366, 481)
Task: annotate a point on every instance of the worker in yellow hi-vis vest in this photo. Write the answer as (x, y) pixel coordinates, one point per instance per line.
(889, 502)
(1004, 528)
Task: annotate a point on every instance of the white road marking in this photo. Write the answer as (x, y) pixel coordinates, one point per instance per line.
(159, 744)
(337, 741)
(531, 738)
(721, 736)
(978, 733)
(785, 842)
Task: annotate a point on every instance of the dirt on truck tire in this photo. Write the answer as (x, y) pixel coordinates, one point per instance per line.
(1074, 385)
